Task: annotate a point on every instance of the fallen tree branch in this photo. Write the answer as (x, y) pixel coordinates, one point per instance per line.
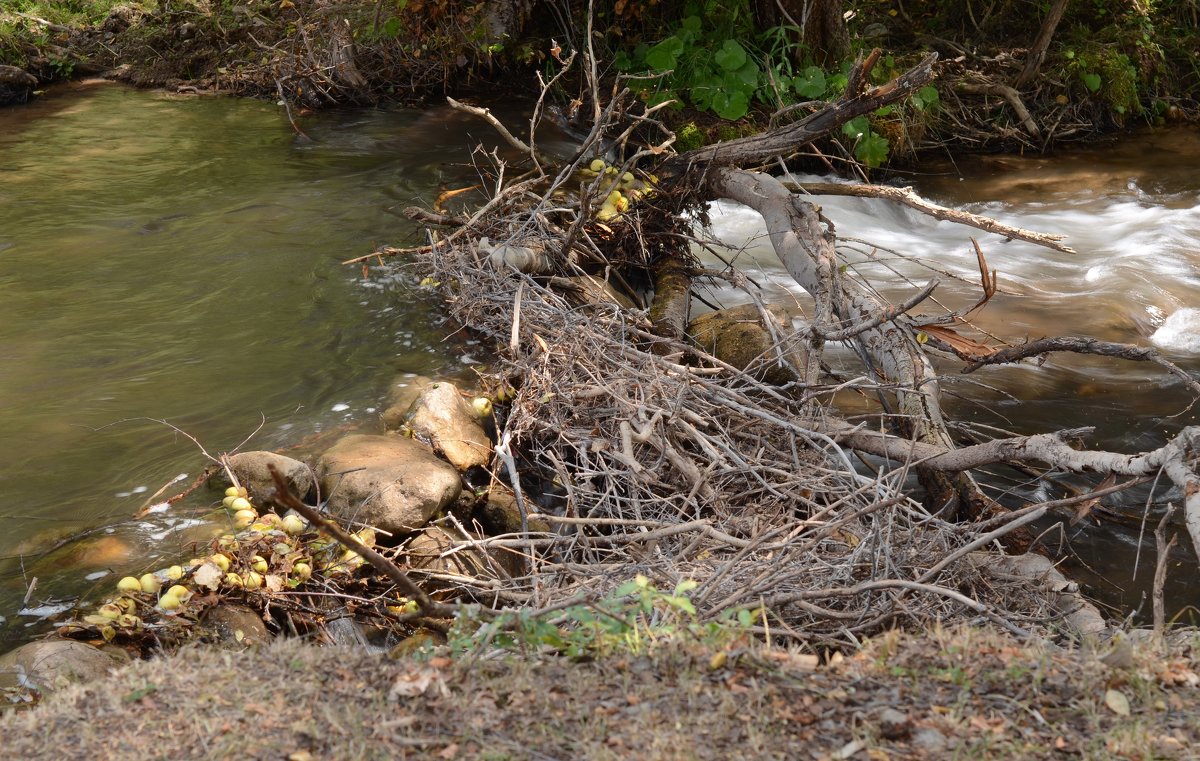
(1082, 345)
(762, 148)
(1052, 449)
(907, 197)
(510, 138)
(1010, 95)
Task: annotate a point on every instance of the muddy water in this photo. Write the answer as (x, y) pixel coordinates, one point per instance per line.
(178, 259)
(1132, 211)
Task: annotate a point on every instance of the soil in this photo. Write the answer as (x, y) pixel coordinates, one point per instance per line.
(968, 693)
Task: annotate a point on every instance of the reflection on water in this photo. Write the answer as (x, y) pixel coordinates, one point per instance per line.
(179, 259)
(1132, 211)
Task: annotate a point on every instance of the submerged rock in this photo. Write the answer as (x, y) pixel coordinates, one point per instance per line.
(446, 420)
(251, 471)
(53, 663)
(397, 484)
(405, 390)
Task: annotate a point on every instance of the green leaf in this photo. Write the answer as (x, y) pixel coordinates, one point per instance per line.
(689, 29)
(665, 54)
(884, 110)
(872, 149)
(1091, 81)
(856, 127)
(746, 75)
(745, 618)
(392, 26)
(626, 589)
(732, 56)
(730, 105)
(810, 83)
(926, 97)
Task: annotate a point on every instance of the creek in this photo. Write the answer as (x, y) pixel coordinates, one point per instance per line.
(179, 259)
(1131, 210)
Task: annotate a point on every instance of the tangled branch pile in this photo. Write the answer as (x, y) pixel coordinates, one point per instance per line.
(643, 453)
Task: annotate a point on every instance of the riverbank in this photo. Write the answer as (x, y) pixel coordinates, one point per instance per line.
(1104, 71)
(940, 694)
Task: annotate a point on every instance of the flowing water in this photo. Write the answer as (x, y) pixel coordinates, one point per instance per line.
(1132, 212)
(178, 259)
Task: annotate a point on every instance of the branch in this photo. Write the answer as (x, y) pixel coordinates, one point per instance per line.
(906, 197)
(761, 148)
(510, 138)
(1012, 96)
(1080, 345)
(1173, 458)
(1037, 53)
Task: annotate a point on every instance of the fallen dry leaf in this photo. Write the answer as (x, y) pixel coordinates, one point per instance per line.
(1117, 702)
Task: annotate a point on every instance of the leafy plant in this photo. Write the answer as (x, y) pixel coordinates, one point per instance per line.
(633, 617)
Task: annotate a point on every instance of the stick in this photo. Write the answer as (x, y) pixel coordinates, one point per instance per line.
(907, 197)
(1160, 569)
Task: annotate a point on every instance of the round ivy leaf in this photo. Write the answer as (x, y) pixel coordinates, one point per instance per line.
(731, 57)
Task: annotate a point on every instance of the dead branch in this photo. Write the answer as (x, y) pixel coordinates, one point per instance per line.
(1083, 345)
(764, 147)
(1011, 96)
(426, 605)
(907, 197)
(510, 138)
(1037, 53)
(417, 214)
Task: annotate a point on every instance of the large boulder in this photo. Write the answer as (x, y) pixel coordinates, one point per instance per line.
(252, 473)
(53, 663)
(442, 417)
(405, 390)
(397, 484)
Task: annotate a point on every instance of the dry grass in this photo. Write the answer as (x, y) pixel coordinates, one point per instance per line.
(961, 694)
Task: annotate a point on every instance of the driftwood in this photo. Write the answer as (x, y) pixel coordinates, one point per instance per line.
(906, 197)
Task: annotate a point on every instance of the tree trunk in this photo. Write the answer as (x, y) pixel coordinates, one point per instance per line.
(825, 33)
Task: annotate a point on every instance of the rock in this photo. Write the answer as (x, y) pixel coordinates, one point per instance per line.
(500, 514)
(444, 418)
(928, 740)
(15, 85)
(234, 627)
(405, 390)
(893, 724)
(53, 663)
(737, 336)
(251, 471)
(400, 487)
(428, 550)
